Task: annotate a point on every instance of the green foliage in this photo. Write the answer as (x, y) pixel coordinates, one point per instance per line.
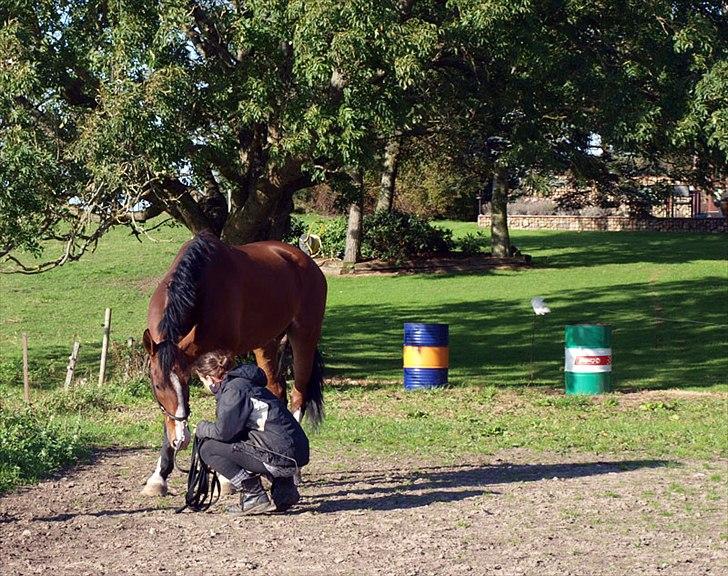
(472, 244)
(432, 186)
(396, 236)
(128, 362)
(296, 229)
(391, 236)
(82, 398)
(11, 372)
(90, 397)
(186, 103)
(659, 406)
(42, 375)
(332, 232)
(33, 445)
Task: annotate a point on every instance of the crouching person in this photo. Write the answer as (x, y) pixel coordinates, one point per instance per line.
(254, 435)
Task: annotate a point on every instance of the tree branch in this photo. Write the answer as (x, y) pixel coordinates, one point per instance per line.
(207, 38)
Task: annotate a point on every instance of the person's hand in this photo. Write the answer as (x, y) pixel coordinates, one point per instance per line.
(200, 427)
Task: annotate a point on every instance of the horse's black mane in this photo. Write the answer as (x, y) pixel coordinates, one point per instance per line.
(182, 295)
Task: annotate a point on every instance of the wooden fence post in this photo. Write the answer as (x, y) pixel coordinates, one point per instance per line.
(105, 345)
(71, 364)
(26, 378)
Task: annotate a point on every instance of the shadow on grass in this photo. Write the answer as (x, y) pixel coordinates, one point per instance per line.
(665, 335)
(398, 490)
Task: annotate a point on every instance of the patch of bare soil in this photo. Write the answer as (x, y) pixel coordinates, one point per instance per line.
(429, 264)
(514, 513)
(637, 397)
(146, 285)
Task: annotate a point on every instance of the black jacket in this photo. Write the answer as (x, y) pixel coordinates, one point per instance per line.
(255, 421)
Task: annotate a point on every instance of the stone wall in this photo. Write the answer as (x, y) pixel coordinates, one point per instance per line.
(611, 223)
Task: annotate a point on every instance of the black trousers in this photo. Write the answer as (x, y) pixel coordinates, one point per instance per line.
(221, 457)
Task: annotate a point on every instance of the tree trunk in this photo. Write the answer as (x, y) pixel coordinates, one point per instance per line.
(280, 220)
(499, 237)
(267, 207)
(250, 223)
(214, 204)
(354, 226)
(385, 202)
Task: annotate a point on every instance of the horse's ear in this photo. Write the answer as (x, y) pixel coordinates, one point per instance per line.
(188, 344)
(149, 343)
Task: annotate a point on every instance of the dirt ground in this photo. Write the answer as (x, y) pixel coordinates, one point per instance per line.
(509, 514)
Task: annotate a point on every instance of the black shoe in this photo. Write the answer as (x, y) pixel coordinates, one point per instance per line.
(253, 499)
(284, 494)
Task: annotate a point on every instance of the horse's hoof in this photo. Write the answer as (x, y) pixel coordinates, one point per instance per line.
(154, 489)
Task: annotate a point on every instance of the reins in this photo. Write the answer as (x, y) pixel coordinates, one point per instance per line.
(202, 482)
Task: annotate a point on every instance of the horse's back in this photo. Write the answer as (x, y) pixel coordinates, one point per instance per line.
(282, 259)
(267, 287)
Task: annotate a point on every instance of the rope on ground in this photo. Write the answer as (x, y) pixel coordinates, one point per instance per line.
(203, 485)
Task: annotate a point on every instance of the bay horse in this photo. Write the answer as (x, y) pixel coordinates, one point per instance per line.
(237, 299)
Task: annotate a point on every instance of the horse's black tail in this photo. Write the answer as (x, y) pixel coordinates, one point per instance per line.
(314, 407)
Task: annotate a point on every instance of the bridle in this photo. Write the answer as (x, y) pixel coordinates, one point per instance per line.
(161, 406)
(167, 414)
(182, 419)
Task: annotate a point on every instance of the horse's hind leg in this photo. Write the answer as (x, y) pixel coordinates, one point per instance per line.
(267, 359)
(304, 344)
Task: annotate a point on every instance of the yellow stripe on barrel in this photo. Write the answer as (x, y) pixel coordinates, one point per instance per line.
(426, 356)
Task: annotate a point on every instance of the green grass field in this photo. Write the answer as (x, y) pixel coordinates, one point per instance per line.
(665, 296)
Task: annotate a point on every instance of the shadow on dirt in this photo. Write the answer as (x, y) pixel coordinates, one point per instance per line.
(393, 490)
(63, 517)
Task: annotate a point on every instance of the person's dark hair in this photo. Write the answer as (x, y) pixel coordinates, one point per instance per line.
(215, 364)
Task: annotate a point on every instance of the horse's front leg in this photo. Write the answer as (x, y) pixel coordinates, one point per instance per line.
(156, 484)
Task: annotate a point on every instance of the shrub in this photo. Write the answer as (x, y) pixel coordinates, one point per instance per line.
(34, 445)
(333, 236)
(436, 188)
(139, 387)
(129, 362)
(387, 235)
(297, 229)
(42, 376)
(595, 212)
(88, 397)
(532, 207)
(396, 236)
(472, 244)
(81, 398)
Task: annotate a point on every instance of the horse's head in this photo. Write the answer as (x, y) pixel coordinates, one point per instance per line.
(170, 369)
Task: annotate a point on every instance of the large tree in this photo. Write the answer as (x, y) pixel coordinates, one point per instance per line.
(213, 111)
(217, 111)
(524, 87)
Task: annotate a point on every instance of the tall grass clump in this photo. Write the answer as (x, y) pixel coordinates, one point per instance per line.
(33, 445)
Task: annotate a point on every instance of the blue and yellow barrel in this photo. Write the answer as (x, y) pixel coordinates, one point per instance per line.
(426, 355)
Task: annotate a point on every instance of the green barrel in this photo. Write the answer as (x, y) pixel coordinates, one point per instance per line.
(588, 358)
